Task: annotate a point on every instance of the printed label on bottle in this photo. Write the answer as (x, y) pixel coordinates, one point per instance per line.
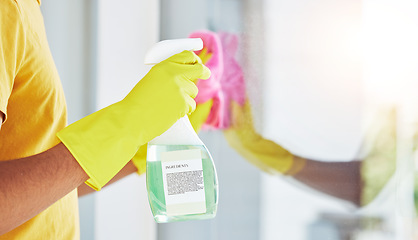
(184, 188)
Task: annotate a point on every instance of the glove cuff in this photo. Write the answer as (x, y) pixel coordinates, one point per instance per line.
(140, 159)
(96, 143)
(297, 165)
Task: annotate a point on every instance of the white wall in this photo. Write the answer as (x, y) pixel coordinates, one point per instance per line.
(126, 29)
(313, 91)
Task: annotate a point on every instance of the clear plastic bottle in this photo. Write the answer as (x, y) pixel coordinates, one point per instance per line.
(182, 182)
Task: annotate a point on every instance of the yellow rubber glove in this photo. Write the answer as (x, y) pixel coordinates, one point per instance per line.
(263, 153)
(197, 119)
(106, 140)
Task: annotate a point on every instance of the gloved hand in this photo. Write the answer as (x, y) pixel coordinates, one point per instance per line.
(106, 140)
(263, 153)
(197, 119)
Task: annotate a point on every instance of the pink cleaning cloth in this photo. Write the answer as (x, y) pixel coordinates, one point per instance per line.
(232, 80)
(209, 88)
(227, 80)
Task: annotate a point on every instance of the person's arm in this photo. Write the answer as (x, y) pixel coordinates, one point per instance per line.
(30, 185)
(130, 168)
(338, 179)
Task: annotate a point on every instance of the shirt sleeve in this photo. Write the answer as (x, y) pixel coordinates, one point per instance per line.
(12, 48)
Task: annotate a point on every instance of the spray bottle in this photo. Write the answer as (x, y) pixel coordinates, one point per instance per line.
(181, 177)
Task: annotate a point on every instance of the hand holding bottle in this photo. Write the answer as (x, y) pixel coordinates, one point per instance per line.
(106, 140)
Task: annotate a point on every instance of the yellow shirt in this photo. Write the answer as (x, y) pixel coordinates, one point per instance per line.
(32, 99)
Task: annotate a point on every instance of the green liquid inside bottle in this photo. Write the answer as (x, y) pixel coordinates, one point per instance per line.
(183, 189)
